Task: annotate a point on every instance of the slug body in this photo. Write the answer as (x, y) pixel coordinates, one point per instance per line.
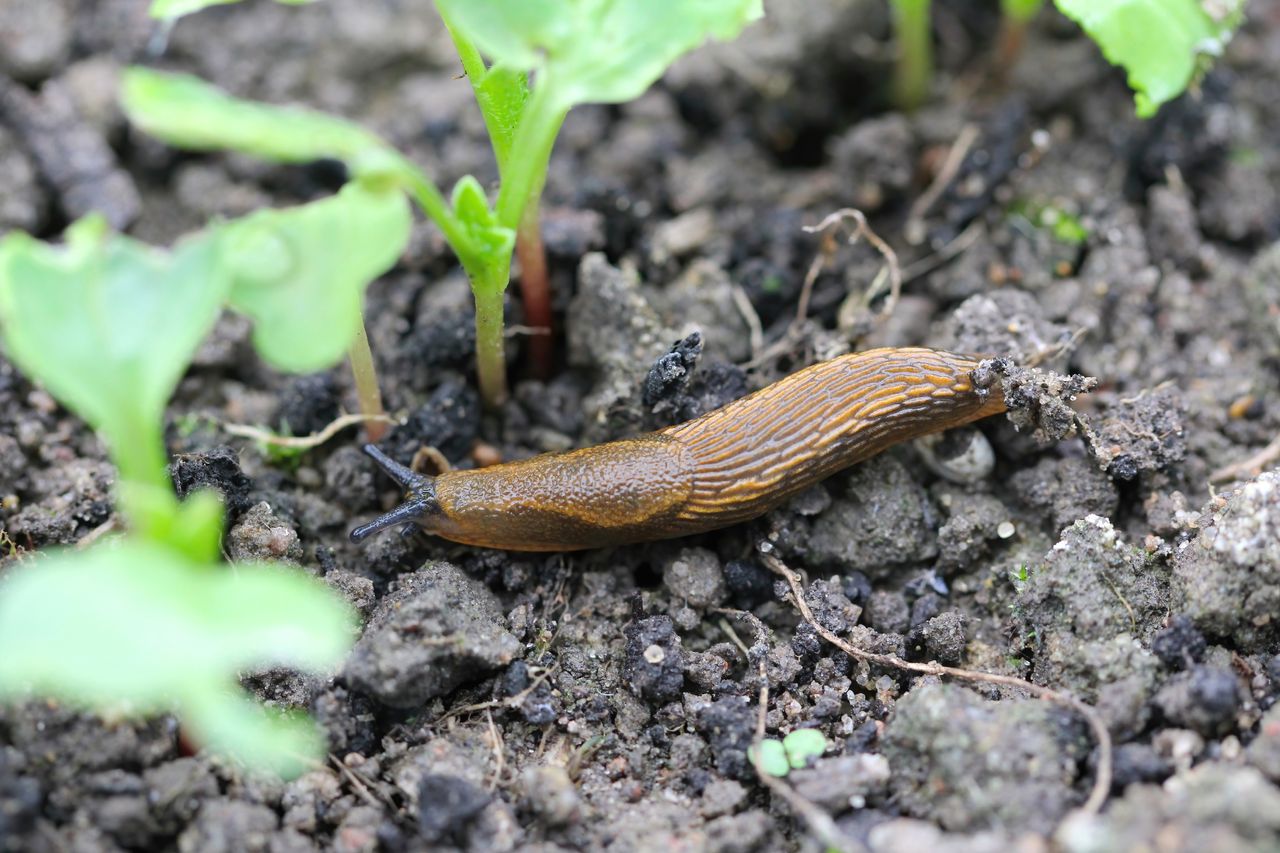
(727, 466)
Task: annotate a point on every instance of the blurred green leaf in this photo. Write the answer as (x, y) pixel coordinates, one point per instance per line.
(1162, 44)
(596, 51)
(108, 325)
(803, 744)
(771, 757)
(136, 627)
(187, 112)
(300, 272)
(177, 8)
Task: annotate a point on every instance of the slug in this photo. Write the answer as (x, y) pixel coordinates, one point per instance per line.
(727, 466)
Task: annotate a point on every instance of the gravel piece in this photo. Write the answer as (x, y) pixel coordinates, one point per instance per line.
(1211, 807)
(70, 153)
(840, 783)
(1207, 700)
(881, 520)
(446, 805)
(217, 469)
(654, 665)
(1066, 490)
(1180, 645)
(694, 577)
(308, 404)
(225, 825)
(437, 629)
(260, 535)
(969, 763)
(1227, 579)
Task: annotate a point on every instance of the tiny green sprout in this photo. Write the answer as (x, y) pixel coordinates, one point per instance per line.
(135, 627)
(1065, 227)
(546, 56)
(793, 752)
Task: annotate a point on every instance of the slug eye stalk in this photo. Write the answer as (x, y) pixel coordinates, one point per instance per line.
(420, 502)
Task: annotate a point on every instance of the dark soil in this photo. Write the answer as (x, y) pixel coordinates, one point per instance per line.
(607, 699)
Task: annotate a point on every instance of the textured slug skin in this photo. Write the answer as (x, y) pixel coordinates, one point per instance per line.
(729, 465)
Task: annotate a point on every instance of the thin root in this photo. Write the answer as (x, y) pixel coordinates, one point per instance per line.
(1102, 778)
(304, 442)
(1251, 467)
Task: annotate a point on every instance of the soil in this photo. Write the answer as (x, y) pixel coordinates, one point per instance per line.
(607, 699)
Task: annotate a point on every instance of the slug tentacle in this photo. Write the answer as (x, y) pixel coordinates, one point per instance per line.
(420, 504)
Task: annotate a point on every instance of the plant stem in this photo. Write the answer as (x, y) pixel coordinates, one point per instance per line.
(915, 52)
(488, 285)
(535, 289)
(433, 204)
(1015, 16)
(366, 379)
(534, 139)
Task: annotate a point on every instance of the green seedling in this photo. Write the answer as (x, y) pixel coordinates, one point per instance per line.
(544, 58)
(1163, 45)
(109, 326)
(914, 73)
(135, 627)
(793, 752)
(1065, 227)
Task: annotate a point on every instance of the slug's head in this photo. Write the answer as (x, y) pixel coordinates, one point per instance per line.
(420, 499)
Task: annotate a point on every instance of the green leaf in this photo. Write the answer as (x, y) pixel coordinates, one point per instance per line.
(1162, 44)
(169, 9)
(802, 745)
(229, 722)
(771, 757)
(502, 95)
(189, 113)
(300, 272)
(490, 241)
(109, 325)
(136, 627)
(603, 51)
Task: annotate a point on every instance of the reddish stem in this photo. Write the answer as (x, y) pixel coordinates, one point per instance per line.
(535, 290)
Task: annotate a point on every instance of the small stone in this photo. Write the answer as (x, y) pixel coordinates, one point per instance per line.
(436, 630)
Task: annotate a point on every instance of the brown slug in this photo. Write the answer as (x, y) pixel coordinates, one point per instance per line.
(727, 466)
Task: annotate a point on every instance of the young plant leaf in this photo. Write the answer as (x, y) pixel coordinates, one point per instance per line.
(171, 9)
(487, 237)
(595, 51)
(771, 757)
(300, 272)
(1162, 44)
(802, 745)
(137, 627)
(109, 325)
(187, 112)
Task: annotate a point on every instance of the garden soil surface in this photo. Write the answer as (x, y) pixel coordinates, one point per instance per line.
(1129, 557)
